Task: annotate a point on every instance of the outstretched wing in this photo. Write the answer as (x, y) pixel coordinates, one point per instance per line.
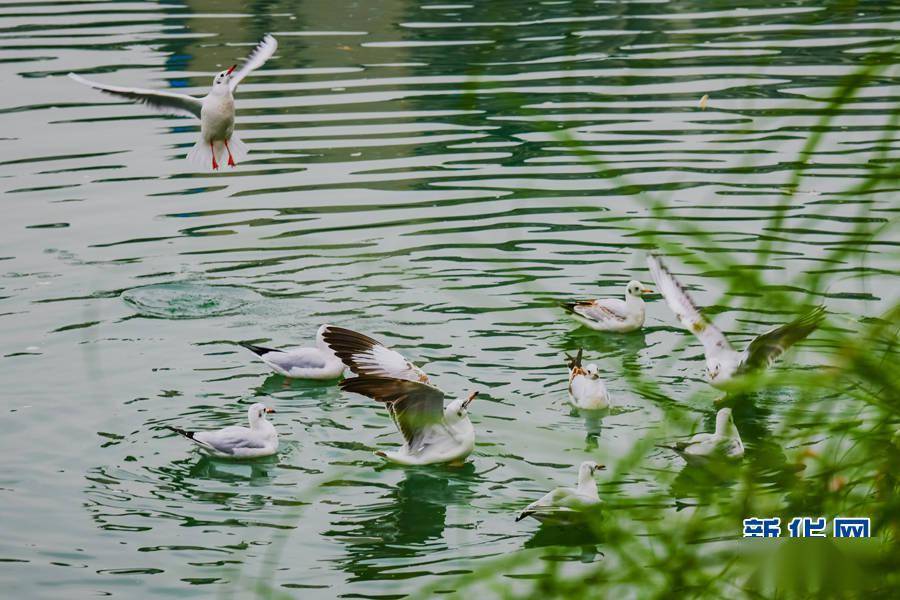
(415, 406)
(684, 308)
(263, 52)
(767, 347)
(366, 356)
(167, 103)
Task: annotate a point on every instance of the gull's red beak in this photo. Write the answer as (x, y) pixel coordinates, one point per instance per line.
(270, 410)
(646, 291)
(230, 70)
(468, 401)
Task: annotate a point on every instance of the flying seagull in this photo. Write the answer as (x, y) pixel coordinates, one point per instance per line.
(432, 433)
(260, 439)
(565, 504)
(586, 390)
(725, 443)
(723, 362)
(612, 314)
(366, 356)
(215, 110)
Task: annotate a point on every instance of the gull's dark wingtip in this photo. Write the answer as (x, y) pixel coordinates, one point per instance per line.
(574, 362)
(673, 448)
(257, 350)
(569, 307)
(188, 434)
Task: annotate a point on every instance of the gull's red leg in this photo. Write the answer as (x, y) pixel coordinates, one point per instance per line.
(215, 164)
(230, 160)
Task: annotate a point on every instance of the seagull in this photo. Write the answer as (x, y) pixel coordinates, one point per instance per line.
(433, 434)
(366, 356)
(586, 390)
(723, 362)
(260, 439)
(215, 110)
(725, 443)
(302, 363)
(565, 503)
(612, 314)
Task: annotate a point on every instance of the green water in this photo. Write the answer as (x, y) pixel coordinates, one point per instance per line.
(413, 176)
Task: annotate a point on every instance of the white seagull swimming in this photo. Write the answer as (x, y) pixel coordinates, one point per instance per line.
(302, 363)
(365, 356)
(433, 433)
(725, 443)
(586, 390)
(612, 314)
(723, 362)
(260, 439)
(215, 110)
(564, 504)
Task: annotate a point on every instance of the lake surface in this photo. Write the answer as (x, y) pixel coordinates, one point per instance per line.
(412, 175)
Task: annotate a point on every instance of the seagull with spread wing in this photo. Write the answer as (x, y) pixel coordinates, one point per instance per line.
(611, 314)
(366, 356)
(258, 440)
(723, 362)
(433, 433)
(215, 110)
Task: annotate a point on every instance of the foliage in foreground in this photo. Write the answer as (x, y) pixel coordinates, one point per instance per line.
(834, 452)
(836, 449)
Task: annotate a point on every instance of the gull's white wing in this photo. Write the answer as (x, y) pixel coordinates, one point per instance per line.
(704, 447)
(167, 103)
(767, 347)
(561, 503)
(293, 362)
(295, 358)
(681, 445)
(684, 308)
(599, 311)
(715, 447)
(230, 439)
(366, 356)
(263, 52)
(546, 503)
(606, 309)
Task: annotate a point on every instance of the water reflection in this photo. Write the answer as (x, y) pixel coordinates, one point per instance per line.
(587, 538)
(593, 426)
(627, 345)
(407, 521)
(706, 482)
(259, 471)
(276, 385)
